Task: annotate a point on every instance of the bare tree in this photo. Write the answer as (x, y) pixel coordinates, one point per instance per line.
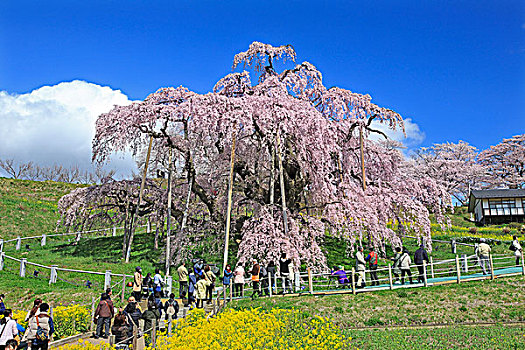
(14, 169)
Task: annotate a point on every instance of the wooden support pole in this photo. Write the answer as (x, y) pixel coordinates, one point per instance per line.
(272, 175)
(390, 276)
(107, 279)
(43, 241)
(135, 337)
(425, 273)
(281, 179)
(229, 208)
(23, 263)
(92, 324)
(431, 267)
(2, 260)
(1, 245)
(187, 207)
(453, 246)
(122, 297)
(18, 242)
(168, 215)
(144, 174)
(458, 272)
(522, 263)
(353, 280)
(53, 274)
(491, 267)
(154, 334)
(310, 281)
(362, 157)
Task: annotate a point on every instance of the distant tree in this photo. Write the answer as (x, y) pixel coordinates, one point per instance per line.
(453, 165)
(289, 117)
(15, 169)
(505, 163)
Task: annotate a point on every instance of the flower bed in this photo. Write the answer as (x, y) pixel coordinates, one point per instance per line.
(68, 320)
(254, 329)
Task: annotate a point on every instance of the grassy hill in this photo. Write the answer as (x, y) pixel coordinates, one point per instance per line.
(29, 208)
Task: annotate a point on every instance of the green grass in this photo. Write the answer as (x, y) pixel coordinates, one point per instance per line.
(454, 337)
(93, 254)
(500, 300)
(29, 208)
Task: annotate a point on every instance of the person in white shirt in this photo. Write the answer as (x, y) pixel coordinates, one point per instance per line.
(8, 329)
(158, 282)
(518, 251)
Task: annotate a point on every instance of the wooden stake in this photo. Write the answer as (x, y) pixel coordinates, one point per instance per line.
(92, 324)
(229, 208)
(390, 276)
(168, 229)
(310, 281)
(154, 334)
(491, 266)
(431, 267)
(123, 288)
(522, 264)
(457, 269)
(425, 273)
(353, 280)
(132, 230)
(362, 158)
(281, 178)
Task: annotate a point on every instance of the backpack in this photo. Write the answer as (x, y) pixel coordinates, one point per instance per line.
(41, 334)
(170, 310)
(263, 272)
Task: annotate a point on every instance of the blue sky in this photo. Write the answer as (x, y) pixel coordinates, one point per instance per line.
(456, 68)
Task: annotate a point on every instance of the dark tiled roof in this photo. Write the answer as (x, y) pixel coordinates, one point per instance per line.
(500, 193)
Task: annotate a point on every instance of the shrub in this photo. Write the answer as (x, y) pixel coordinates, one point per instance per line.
(506, 230)
(402, 294)
(374, 321)
(473, 230)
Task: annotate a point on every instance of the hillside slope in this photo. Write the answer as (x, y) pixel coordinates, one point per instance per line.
(29, 208)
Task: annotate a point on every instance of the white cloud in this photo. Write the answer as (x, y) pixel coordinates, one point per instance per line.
(414, 136)
(56, 124)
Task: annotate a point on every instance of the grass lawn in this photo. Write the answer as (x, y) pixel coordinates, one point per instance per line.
(453, 337)
(500, 300)
(29, 208)
(92, 254)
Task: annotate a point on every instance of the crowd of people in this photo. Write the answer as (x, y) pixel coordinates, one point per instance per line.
(39, 330)
(126, 319)
(402, 263)
(197, 285)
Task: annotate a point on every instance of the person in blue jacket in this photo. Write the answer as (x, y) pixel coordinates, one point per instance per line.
(192, 281)
(2, 305)
(226, 279)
